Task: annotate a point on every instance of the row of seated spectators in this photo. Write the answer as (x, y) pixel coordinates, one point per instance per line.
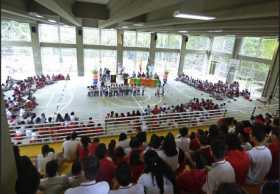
(38, 129)
(161, 117)
(218, 90)
(21, 100)
(116, 90)
(230, 157)
(33, 128)
(193, 105)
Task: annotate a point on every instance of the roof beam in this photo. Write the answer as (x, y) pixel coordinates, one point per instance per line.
(135, 8)
(249, 11)
(90, 10)
(56, 7)
(270, 23)
(33, 6)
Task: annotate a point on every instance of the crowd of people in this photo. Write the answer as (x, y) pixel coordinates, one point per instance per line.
(195, 104)
(116, 90)
(19, 100)
(230, 157)
(30, 127)
(218, 90)
(40, 128)
(155, 117)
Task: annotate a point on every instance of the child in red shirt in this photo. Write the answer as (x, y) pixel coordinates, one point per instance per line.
(238, 158)
(107, 168)
(191, 181)
(136, 165)
(83, 150)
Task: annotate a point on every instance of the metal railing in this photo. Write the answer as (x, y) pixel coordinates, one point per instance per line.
(57, 132)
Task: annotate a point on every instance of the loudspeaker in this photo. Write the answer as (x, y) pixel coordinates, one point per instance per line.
(80, 32)
(155, 36)
(186, 38)
(33, 29)
(113, 78)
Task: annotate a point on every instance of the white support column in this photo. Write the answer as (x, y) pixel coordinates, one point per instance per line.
(272, 82)
(8, 165)
(182, 55)
(36, 48)
(235, 55)
(80, 51)
(152, 52)
(119, 50)
(208, 53)
(236, 47)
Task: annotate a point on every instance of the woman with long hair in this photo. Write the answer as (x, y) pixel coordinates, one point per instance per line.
(83, 150)
(111, 148)
(170, 153)
(136, 165)
(158, 177)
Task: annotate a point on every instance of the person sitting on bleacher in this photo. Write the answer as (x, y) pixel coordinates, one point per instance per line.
(76, 177)
(42, 159)
(53, 184)
(90, 167)
(157, 176)
(107, 168)
(124, 184)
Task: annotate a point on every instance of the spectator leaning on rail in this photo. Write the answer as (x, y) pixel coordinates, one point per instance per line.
(90, 167)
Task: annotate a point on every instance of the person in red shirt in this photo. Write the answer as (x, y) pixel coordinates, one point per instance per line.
(119, 156)
(238, 158)
(136, 165)
(83, 150)
(93, 146)
(274, 148)
(205, 149)
(194, 144)
(191, 181)
(107, 167)
(156, 110)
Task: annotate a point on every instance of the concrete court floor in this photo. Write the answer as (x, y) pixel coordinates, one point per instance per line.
(68, 96)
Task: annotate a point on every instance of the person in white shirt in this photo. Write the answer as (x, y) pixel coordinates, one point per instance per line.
(123, 142)
(34, 135)
(221, 170)
(53, 184)
(90, 167)
(169, 153)
(158, 177)
(70, 147)
(183, 141)
(42, 159)
(72, 116)
(21, 112)
(260, 156)
(123, 177)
